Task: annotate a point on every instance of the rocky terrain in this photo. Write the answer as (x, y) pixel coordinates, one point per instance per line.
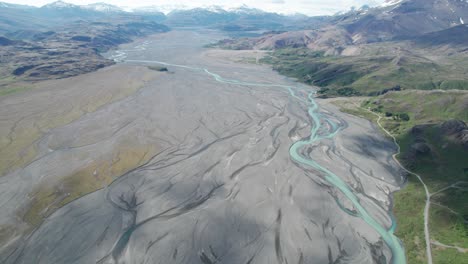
(68, 51)
(403, 19)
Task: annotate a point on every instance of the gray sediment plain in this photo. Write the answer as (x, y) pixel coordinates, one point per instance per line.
(216, 183)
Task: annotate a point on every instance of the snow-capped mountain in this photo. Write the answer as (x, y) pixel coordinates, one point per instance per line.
(404, 19)
(103, 7)
(214, 9)
(98, 7)
(9, 5)
(166, 9)
(391, 2)
(244, 9)
(60, 5)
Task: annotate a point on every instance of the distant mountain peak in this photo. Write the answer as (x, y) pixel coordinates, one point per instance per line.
(246, 10)
(103, 7)
(9, 5)
(392, 2)
(214, 9)
(60, 5)
(158, 8)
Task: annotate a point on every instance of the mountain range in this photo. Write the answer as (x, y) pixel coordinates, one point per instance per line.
(14, 17)
(403, 19)
(404, 44)
(395, 20)
(403, 25)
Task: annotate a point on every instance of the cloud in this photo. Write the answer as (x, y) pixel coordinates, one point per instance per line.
(278, 2)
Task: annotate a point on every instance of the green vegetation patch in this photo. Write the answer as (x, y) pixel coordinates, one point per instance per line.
(422, 107)
(448, 256)
(370, 74)
(409, 210)
(47, 198)
(438, 156)
(14, 89)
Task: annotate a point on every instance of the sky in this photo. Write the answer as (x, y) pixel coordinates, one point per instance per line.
(309, 7)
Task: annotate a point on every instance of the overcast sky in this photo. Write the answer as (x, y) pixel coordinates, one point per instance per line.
(310, 7)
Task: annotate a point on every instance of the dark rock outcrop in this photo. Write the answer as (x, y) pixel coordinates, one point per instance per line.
(420, 148)
(463, 137)
(73, 50)
(6, 42)
(21, 70)
(453, 126)
(81, 38)
(456, 129)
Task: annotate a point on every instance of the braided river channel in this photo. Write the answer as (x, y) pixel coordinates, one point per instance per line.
(219, 159)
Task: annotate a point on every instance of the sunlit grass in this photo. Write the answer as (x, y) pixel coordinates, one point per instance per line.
(48, 197)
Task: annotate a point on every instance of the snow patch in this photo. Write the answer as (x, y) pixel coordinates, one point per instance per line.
(60, 4)
(102, 7)
(244, 9)
(391, 2)
(166, 9)
(461, 21)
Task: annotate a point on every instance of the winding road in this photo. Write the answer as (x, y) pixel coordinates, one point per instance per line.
(427, 205)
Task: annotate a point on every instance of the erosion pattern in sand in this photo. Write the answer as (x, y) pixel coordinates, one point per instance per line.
(244, 168)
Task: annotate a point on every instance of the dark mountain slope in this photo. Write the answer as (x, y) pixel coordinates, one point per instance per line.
(405, 19)
(455, 36)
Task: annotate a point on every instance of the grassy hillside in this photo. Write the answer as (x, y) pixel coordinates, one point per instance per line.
(372, 71)
(432, 147)
(423, 107)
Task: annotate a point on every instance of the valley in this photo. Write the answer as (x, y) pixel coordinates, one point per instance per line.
(214, 164)
(169, 134)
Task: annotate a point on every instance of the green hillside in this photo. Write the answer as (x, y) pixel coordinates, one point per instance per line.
(371, 73)
(434, 145)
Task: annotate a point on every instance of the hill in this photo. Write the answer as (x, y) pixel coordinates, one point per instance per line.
(454, 36)
(373, 69)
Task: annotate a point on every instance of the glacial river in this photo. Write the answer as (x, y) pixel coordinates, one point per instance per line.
(317, 133)
(215, 161)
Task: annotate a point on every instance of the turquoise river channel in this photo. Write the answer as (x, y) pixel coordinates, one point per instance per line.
(394, 244)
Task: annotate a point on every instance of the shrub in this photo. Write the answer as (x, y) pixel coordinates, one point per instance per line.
(347, 91)
(158, 68)
(404, 116)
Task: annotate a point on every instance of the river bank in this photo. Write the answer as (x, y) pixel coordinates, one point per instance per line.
(428, 207)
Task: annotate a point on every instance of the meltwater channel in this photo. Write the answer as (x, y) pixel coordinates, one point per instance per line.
(398, 253)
